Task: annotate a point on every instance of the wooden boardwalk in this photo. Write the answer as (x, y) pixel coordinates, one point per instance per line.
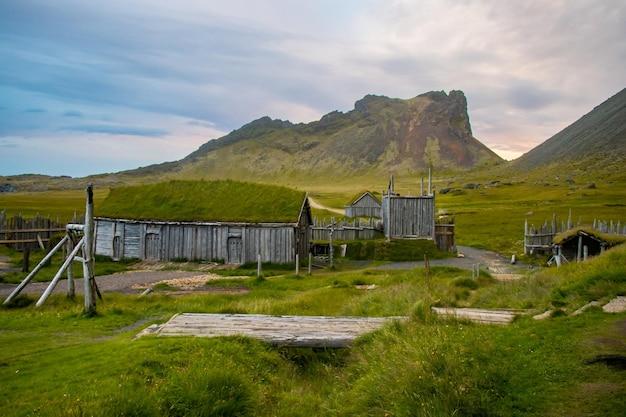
(478, 315)
(296, 331)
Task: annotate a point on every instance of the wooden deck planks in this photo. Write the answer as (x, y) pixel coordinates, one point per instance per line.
(296, 331)
(478, 315)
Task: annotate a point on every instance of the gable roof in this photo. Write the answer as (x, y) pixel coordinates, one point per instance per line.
(218, 201)
(361, 195)
(609, 239)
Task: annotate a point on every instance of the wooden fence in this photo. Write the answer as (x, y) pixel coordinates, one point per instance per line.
(22, 233)
(356, 229)
(539, 238)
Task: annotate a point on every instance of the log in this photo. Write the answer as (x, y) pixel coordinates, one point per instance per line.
(30, 276)
(57, 276)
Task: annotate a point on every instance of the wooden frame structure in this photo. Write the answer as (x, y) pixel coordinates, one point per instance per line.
(366, 205)
(78, 237)
(409, 217)
(230, 242)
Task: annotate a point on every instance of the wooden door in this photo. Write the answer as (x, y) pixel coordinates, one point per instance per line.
(117, 248)
(234, 250)
(153, 246)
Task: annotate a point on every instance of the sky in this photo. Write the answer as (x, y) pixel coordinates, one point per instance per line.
(91, 87)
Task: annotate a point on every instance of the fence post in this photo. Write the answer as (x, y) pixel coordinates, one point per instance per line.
(297, 264)
(579, 252)
(585, 252)
(71, 291)
(310, 262)
(26, 259)
(88, 278)
(258, 265)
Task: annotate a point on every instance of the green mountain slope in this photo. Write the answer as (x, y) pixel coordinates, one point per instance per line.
(379, 136)
(596, 140)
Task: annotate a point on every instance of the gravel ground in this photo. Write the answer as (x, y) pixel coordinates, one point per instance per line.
(495, 263)
(122, 282)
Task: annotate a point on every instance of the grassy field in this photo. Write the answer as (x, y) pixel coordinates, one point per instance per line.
(56, 204)
(56, 362)
(104, 266)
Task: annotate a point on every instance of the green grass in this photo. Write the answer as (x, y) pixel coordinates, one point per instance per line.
(56, 362)
(104, 266)
(204, 200)
(56, 204)
(394, 250)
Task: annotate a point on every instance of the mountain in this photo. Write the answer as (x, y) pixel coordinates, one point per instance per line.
(595, 141)
(380, 135)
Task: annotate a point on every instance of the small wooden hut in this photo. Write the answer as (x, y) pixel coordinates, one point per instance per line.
(582, 242)
(366, 204)
(408, 217)
(224, 221)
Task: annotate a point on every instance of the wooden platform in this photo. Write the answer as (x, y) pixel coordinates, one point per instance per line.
(296, 331)
(478, 315)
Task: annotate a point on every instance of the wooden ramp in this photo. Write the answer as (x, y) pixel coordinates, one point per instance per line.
(296, 331)
(478, 315)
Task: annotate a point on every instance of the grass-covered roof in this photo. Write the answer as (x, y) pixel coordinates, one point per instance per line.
(610, 239)
(224, 201)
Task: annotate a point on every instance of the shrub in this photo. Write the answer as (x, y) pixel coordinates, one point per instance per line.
(465, 283)
(208, 393)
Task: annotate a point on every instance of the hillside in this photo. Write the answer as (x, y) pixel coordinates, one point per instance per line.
(596, 140)
(380, 135)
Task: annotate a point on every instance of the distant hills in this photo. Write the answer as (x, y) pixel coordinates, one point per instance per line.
(380, 135)
(596, 140)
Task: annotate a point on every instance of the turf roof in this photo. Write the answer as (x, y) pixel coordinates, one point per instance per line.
(610, 239)
(224, 201)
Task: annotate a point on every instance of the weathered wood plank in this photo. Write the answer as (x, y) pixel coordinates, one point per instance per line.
(477, 315)
(300, 331)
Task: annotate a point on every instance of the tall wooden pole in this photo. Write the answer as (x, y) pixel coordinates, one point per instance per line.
(258, 265)
(430, 180)
(310, 262)
(90, 299)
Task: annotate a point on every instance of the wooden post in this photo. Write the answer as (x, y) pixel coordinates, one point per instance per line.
(30, 276)
(258, 265)
(26, 259)
(310, 262)
(579, 253)
(90, 299)
(297, 264)
(57, 276)
(330, 239)
(585, 252)
(558, 257)
(427, 272)
(71, 291)
(569, 219)
(422, 186)
(430, 179)
(526, 237)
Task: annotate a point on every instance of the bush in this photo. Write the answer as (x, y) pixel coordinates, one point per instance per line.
(465, 283)
(208, 393)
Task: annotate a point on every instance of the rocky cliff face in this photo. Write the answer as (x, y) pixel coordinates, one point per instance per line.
(381, 134)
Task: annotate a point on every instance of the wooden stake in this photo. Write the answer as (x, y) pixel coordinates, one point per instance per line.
(26, 259)
(57, 276)
(297, 264)
(30, 276)
(579, 253)
(310, 262)
(258, 265)
(585, 252)
(430, 179)
(90, 301)
(71, 291)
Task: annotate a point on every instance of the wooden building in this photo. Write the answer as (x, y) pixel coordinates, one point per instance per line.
(214, 234)
(364, 205)
(408, 217)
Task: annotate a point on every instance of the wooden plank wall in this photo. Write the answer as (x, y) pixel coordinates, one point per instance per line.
(197, 241)
(365, 207)
(409, 217)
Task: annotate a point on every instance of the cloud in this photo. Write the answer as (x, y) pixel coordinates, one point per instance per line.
(119, 130)
(72, 113)
(156, 69)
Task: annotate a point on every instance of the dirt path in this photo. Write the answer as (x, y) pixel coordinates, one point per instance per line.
(128, 282)
(496, 264)
(317, 205)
